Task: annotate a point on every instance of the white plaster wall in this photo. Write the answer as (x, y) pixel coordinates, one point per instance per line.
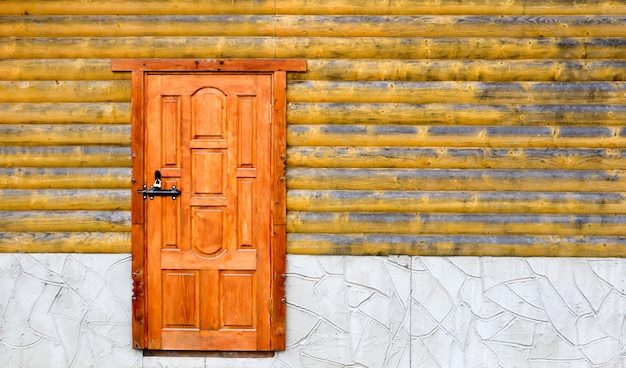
(73, 310)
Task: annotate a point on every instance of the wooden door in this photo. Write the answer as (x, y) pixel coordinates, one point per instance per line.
(207, 257)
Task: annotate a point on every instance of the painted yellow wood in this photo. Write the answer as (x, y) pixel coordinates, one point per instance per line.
(463, 70)
(65, 178)
(456, 136)
(58, 69)
(457, 180)
(457, 158)
(64, 156)
(65, 134)
(459, 202)
(65, 91)
(60, 113)
(433, 245)
(458, 92)
(365, 7)
(65, 221)
(312, 26)
(65, 242)
(454, 114)
(454, 224)
(78, 199)
(119, 7)
(137, 47)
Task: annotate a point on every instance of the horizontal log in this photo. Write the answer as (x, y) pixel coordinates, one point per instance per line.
(62, 221)
(458, 92)
(459, 202)
(369, 7)
(457, 180)
(312, 47)
(452, 224)
(455, 114)
(463, 245)
(64, 156)
(455, 136)
(60, 113)
(64, 134)
(50, 199)
(448, 48)
(58, 69)
(463, 70)
(60, 242)
(312, 26)
(137, 47)
(65, 91)
(456, 158)
(65, 178)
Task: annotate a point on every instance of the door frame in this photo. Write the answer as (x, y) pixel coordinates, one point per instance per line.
(278, 69)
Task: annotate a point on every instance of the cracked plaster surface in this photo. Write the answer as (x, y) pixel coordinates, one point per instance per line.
(73, 310)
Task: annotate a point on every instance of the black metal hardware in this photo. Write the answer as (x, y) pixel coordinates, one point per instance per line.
(156, 191)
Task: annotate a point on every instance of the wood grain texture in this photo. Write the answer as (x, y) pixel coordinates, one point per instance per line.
(65, 199)
(65, 178)
(65, 221)
(65, 242)
(62, 113)
(64, 134)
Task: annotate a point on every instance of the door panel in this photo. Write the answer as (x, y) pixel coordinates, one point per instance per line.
(208, 252)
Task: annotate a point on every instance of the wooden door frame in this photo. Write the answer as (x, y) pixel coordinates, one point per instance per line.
(277, 68)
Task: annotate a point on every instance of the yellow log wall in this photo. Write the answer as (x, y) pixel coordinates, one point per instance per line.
(420, 127)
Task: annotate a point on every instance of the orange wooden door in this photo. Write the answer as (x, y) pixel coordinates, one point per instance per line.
(208, 251)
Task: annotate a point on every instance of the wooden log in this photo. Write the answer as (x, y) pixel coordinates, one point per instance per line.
(65, 200)
(463, 70)
(137, 47)
(455, 114)
(65, 178)
(459, 202)
(458, 92)
(457, 180)
(446, 48)
(452, 223)
(270, 7)
(456, 136)
(64, 134)
(312, 26)
(65, 91)
(60, 113)
(40, 156)
(456, 158)
(59, 69)
(65, 221)
(463, 245)
(146, 25)
(65, 242)
(120, 7)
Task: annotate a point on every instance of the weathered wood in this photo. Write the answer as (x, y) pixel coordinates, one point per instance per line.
(65, 221)
(40, 156)
(456, 136)
(65, 178)
(454, 114)
(64, 134)
(456, 158)
(312, 26)
(65, 91)
(59, 113)
(460, 202)
(365, 7)
(452, 224)
(80, 199)
(457, 180)
(58, 69)
(209, 65)
(458, 92)
(61, 242)
(312, 47)
(468, 245)
(463, 70)
(137, 47)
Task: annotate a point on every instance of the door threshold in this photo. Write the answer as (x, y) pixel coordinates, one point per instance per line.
(208, 354)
